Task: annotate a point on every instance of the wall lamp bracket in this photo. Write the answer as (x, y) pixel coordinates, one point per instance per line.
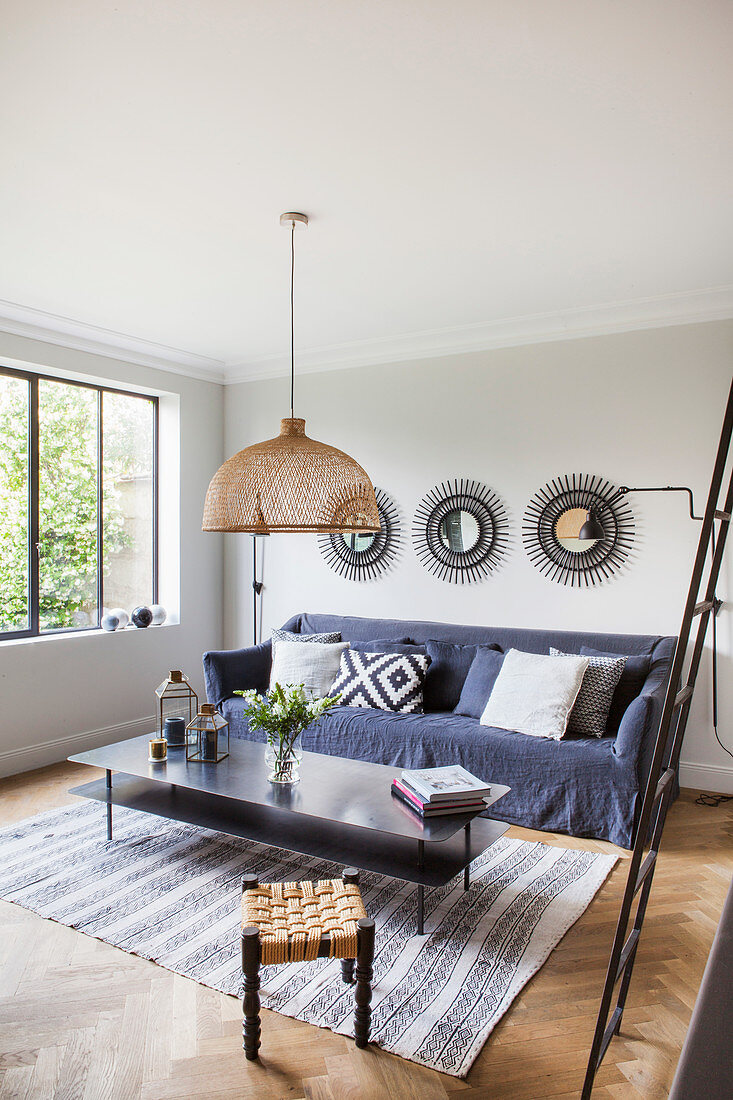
(624, 489)
(593, 528)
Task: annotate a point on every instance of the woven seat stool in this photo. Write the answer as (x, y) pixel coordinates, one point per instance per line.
(298, 921)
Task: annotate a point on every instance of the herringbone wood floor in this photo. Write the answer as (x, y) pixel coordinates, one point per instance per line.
(81, 1020)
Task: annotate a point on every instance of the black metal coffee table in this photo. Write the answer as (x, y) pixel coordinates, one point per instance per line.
(341, 810)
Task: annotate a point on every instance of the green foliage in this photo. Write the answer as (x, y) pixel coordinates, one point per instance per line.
(67, 496)
(13, 503)
(285, 712)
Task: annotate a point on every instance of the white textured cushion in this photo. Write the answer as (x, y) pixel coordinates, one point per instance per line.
(313, 666)
(534, 694)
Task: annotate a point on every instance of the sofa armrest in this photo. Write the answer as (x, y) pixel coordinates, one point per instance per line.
(636, 725)
(230, 670)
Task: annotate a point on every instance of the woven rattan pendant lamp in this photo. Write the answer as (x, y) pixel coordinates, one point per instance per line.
(291, 483)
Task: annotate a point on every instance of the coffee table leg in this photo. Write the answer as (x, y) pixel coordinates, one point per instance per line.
(467, 868)
(109, 806)
(421, 888)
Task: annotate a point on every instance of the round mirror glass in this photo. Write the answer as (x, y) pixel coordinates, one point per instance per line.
(459, 531)
(566, 531)
(359, 543)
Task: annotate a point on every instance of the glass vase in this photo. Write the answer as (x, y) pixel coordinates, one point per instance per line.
(283, 756)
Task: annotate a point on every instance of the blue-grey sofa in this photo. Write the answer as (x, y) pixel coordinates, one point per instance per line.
(590, 787)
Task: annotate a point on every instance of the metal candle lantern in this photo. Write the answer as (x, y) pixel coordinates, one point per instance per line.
(207, 736)
(176, 699)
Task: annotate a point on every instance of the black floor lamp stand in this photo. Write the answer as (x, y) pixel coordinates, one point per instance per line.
(257, 587)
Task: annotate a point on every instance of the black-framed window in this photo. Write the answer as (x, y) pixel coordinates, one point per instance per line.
(78, 503)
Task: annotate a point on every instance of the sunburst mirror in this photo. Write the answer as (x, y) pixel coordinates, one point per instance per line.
(552, 525)
(460, 531)
(362, 557)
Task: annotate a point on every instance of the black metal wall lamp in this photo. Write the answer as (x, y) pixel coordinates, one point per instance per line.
(593, 529)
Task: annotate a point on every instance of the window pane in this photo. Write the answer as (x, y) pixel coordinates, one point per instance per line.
(14, 413)
(67, 505)
(128, 500)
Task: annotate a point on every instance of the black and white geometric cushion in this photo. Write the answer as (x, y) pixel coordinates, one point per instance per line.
(589, 715)
(383, 681)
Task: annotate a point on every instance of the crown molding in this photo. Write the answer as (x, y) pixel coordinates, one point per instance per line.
(35, 324)
(713, 304)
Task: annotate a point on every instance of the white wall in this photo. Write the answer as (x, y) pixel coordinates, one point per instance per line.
(642, 408)
(64, 694)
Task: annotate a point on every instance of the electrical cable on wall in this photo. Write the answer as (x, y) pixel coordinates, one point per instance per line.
(706, 799)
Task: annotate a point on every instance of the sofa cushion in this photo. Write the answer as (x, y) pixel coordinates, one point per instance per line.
(327, 638)
(313, 666)
(589, 716)
(632, 680)
(449, 665)
(480, 681)
(534, 694)
(385, 681)
(386, 645)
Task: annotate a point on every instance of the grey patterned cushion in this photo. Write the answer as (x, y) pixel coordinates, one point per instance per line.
(291, 636)
(384, 681)
(589, 716)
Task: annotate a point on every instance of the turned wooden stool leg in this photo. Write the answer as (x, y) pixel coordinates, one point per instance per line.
(251, 998)
(363, 994)
(249, 882)
(251, 971)
(349, 874)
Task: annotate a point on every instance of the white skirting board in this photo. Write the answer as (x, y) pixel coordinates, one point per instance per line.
(707, 777)
(51, 752)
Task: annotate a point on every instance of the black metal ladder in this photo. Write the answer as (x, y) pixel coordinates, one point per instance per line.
(666, 756)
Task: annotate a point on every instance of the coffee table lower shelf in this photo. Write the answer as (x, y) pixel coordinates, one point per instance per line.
(369, 849)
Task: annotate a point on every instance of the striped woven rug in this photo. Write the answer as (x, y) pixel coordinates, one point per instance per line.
(170, 892)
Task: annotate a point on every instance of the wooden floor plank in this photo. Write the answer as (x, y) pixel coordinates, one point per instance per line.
(80, 1019)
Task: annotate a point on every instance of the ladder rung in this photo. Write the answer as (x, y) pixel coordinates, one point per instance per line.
(644, 870)
(706, 605)
(682, 696)
(664, 782)
(719, 514)
(608, 1034)
(626, 953)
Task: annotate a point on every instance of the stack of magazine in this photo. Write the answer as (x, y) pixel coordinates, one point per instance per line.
(433, 791)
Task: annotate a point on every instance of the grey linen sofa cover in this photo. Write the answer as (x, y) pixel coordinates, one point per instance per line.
(587, 787)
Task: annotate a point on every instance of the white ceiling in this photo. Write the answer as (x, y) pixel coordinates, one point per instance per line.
(472, 170)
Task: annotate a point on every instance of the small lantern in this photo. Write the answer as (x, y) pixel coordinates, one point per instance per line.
(207, 736)
(177, 705)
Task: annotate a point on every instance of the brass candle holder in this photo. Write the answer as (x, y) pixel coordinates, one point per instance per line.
(158, 749)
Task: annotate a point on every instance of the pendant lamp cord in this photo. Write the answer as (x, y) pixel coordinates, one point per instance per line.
(292, 319)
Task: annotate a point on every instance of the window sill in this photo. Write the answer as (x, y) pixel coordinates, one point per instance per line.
(93, 632)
